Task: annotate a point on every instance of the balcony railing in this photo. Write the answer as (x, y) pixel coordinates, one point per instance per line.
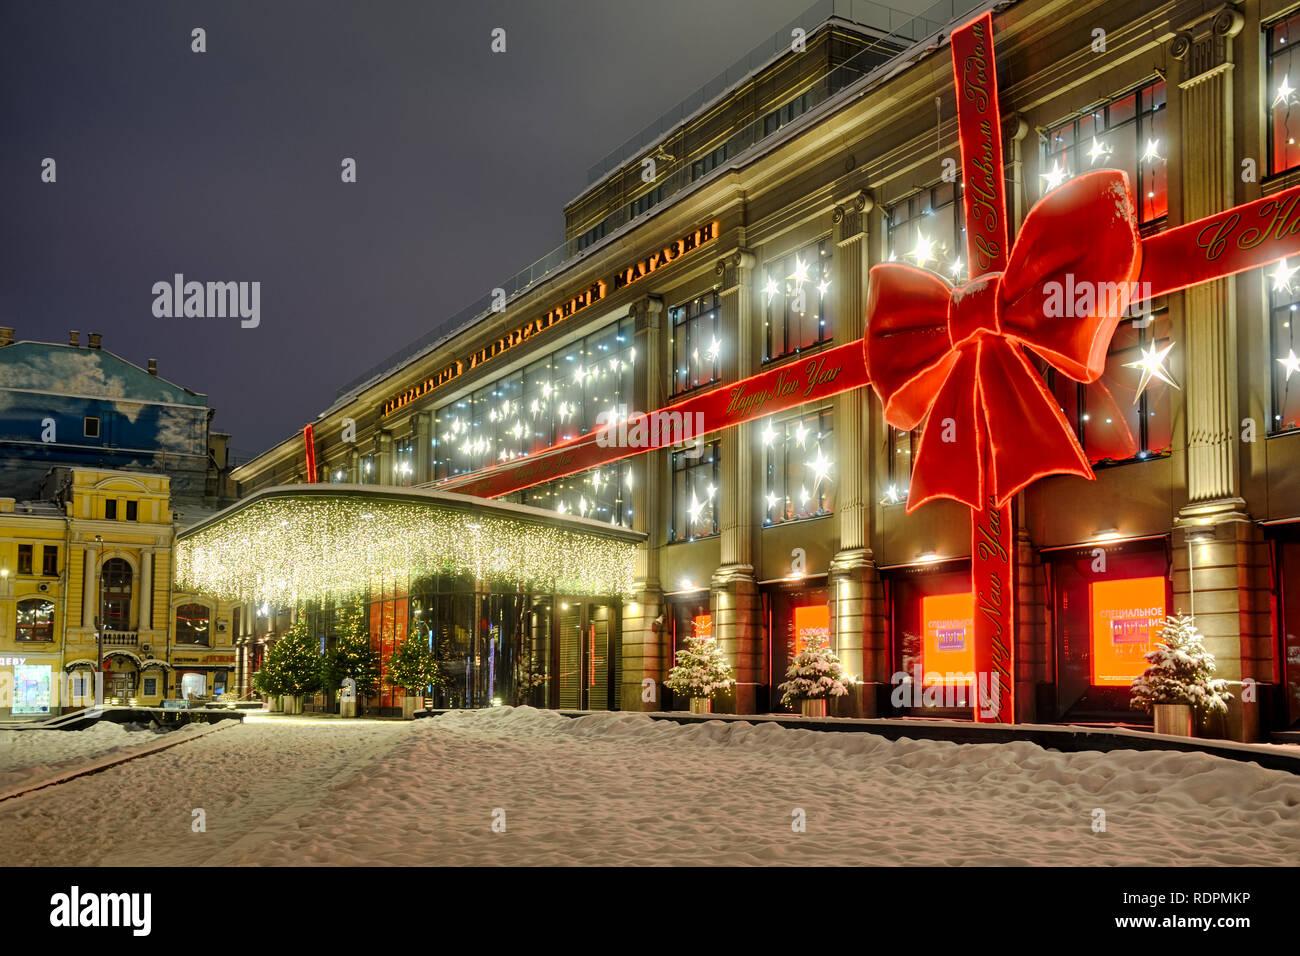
(121, 638)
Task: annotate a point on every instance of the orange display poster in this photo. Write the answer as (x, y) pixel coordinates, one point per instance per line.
(812, 623)
(1127, 616)
(702, 625)
(948, 651)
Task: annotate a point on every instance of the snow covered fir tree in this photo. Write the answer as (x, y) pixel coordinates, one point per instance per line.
(1181, 671)
(815, 673)
(700, 671)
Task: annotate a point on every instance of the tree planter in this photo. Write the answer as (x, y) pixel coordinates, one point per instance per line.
(701, 705)
(292, 704)
(347, 708)
(409, 706)
(1174, 719)
(813, 706)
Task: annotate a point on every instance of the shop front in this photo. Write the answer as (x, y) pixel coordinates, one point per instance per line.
(798, 614)
(520, 605)
(29, 687)
(198, 674)
(930, 611)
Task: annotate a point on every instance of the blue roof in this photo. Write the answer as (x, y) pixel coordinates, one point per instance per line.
(94, 373)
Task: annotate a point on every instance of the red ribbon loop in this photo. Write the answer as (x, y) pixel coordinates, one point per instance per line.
(955, 355)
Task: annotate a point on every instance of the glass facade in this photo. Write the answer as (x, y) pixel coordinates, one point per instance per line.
(1283, 76)
(928, 229)
(602, 494)
(697, 345)
(695, 481)
(798, 466)
(551, 400)
(797, 292)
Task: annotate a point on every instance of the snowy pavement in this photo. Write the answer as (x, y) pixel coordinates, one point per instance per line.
(621, 788)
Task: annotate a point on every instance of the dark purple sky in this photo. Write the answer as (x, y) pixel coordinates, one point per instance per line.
(225, 166)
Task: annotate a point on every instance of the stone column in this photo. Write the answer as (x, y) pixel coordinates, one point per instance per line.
(383, 457)
(1228, 571)
(857, 621)
(354, 466)
(644, 634)
(734, 598)
(423, 463)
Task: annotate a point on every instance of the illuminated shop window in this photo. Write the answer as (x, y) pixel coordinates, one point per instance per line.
(1283, 78)
(404, 462)
(368, 470)
(1113, 421)
(797, 293)
(193, 623)
(900, 452)
(799, 472)
(35, 620)
(553, 400)
(1128, 133)
(696, 476)
(928, 229)
(1284, 311)
(602, 494)
(697, 346)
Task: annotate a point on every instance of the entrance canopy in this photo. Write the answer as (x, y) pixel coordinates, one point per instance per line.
(296, 543)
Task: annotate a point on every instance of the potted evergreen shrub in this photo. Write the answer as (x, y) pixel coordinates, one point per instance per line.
(413, 667)
(293, 667)
(813, 676)
(351, 657)
(700, 672)
(1180, 680)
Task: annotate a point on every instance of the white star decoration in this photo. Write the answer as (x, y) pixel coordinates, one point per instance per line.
(1054, 177)
(1290, 363)
(1284, 92)
(1152, 364)
(1282, 276)
(1097, 151)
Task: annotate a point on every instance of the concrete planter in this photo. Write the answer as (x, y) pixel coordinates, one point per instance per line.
(1175, 720)
(292, 704)
(409, 706)
(813, 707)
(347, 708)
(701, 705)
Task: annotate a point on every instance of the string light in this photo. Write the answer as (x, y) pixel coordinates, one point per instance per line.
(337, 544)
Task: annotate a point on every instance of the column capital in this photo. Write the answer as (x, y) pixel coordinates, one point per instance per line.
(849, 215)
(729, 269)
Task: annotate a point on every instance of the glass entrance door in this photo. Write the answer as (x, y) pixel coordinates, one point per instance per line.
(589, 658)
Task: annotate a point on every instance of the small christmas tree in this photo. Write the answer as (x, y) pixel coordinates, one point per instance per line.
(294, 662)
(352, 656)
(1181, 672)
(412, 666)
(701, 670)
(814, 673)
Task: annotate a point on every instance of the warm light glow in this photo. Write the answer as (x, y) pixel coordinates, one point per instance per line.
(1097, 151)
(1284, 91)
(1281, 276)
(1152, 365)
(821, 466)
(924, 250)
(1290, 363)
(1053, 177)
(771, 289)
(1150, 153)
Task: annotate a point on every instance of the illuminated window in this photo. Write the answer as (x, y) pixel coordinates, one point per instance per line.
(800, 477)
(1283, 314)
(1283, 78)
(602, 494)
(697, 348)
(696, 476)
(928, 229)
(553, 400)
(368, 470)
(900, 452)
(1113, 422)
(193, 623)
(115, 594)
(798, 296)
(35, 620)
(1128, 133)
(404, 462)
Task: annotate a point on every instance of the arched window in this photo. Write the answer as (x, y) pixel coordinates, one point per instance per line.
(192, 621)
(35, 620)
(115, 594)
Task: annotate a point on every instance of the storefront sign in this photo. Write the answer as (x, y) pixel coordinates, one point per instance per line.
(1127, 618)
(570, 307)
(828, 373)
(948, 642)
(217, 659)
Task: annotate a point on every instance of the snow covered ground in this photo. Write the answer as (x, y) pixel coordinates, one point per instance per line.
(29, 755)
(620, 788)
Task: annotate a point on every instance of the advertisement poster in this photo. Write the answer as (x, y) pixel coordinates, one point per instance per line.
(702, 625)
(811, 623)
(948, 651)
(1127, 616)
(31, 689)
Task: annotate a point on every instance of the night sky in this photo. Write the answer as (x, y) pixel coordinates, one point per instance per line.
(225, 166)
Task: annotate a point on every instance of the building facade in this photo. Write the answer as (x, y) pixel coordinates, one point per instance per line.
(748, 250)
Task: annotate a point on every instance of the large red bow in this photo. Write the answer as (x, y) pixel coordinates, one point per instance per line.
(954, 354)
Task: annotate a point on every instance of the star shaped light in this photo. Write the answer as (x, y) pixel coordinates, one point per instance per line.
(1290, 363)
(1152, 365)
(924, 250)
(1053, 177)
(771, 289)
(1281, 276)
(768, 432)
(821, 466)
(1284, 92)
(800, 272)
(1150, 152)
(1097, 151)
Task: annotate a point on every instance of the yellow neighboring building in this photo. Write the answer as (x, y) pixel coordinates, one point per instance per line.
(95, 552)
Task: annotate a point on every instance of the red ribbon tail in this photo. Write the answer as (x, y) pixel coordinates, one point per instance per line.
(948, 462)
